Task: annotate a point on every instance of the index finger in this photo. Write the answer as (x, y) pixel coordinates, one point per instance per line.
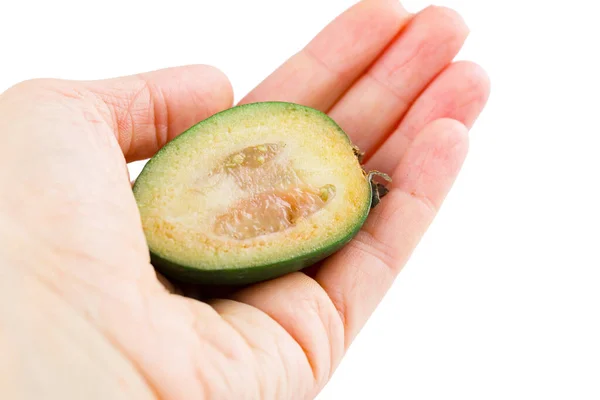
(321, 72)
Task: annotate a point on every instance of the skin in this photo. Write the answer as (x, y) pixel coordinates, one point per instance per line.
(82, 312)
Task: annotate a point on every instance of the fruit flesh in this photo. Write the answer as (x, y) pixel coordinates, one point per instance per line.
(275, 196)
(270, 212)
(260, 167)
(252, 193)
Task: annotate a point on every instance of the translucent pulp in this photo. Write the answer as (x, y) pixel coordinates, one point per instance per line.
(276, 197)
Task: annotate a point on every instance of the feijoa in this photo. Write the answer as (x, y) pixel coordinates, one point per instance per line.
(252, 193)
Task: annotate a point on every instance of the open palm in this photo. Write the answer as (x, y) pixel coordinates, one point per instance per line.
(82, 313)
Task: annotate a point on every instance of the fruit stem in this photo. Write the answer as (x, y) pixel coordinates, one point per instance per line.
(359, 154)
(378, 190)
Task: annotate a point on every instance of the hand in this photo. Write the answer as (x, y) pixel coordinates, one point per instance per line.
(82, 313)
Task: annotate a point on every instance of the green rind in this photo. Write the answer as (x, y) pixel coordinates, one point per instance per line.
(255, 273)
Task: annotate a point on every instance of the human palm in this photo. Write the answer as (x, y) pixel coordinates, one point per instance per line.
(82, 313)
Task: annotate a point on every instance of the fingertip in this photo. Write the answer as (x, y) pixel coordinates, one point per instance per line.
(482, 82)
(433, 161)
(392, 6)
(478, 78)
(222, 87)
(200, 86)
(445, 16)
(445, 128)
(447, 136)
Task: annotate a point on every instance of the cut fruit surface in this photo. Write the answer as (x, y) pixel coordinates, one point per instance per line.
(252, 193)
(270, 212)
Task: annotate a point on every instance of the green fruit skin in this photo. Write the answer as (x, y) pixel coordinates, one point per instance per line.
(256, 273)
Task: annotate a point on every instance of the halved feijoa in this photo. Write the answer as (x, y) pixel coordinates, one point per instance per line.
(252, 193)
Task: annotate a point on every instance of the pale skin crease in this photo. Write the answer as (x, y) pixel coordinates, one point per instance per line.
(82, 313)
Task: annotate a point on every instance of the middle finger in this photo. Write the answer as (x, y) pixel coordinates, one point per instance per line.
(374, 105)
(319, 74)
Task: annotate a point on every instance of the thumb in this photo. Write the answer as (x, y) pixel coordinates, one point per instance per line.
(147, 110)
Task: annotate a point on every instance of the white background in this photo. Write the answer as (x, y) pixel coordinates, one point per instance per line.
(502, 298)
